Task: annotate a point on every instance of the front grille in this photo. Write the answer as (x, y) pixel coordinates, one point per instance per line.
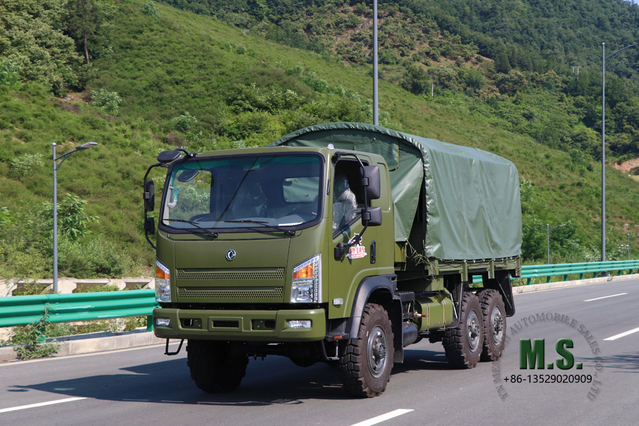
(265, 293)
(227, 275)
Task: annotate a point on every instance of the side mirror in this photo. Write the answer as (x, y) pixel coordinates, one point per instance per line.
(187, 175)
(372, 216)
(149, 196)
(372, 182)
(149, 225)
(168, 156)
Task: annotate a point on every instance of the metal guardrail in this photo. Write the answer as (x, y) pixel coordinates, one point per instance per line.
(565, 269)
(22, 310)
(529, 272)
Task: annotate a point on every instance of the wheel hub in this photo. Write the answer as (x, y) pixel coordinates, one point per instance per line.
(377, 355)
(474, 330)
(497, 325)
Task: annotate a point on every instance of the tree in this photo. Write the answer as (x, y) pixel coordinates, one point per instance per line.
(86, 18)
(32, 41)
(502, 64)
(72, 219)
(416, 80)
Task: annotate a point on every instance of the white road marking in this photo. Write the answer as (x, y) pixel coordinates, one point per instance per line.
(56, 358)
(620, 335)
(40, 404)
(383, 417)
(605, 297)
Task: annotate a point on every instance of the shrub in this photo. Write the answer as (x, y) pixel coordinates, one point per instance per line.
(98, 288)
(28, 340)
(183, 123)
(5, 217)
(108, 101)
(151, 9)
(9, 73)
(445, 77)
(299, 120)
(512, 82)
(473, 78)
(319, 85)
(25, 165)
(92, 259)
(415, 80)
(30, 289)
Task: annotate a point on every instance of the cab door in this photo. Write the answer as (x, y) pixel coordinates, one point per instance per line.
(360, 258)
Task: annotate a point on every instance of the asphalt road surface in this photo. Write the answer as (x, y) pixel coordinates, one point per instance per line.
(144, 387)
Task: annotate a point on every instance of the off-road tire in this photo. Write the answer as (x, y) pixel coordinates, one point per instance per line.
(494, 317)
(366, 362)
(214, 367)
(464, 343)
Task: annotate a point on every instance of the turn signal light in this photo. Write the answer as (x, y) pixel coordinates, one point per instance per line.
(305, 272)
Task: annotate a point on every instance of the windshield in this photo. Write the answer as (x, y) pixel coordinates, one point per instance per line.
(248, 191)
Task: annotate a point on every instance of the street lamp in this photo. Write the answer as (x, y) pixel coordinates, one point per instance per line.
(548, 230)
(56, 166)
(375, 71)
(603, 143)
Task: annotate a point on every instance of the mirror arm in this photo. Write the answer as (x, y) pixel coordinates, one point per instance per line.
(146, 175)
(146, 234)
(187, 154)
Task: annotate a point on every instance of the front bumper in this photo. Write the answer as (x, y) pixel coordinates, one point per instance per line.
(241, 325)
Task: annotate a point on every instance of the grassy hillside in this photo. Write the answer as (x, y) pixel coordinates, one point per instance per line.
(493, 51)
(245, 91)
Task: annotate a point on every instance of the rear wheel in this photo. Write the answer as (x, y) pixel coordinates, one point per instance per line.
(494, 316)
(215, 366)
(464, 343)
(366, 362)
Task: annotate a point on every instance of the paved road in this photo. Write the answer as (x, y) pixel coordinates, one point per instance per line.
(144, 387)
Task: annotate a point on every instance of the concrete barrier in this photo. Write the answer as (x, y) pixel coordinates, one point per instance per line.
(73, 285)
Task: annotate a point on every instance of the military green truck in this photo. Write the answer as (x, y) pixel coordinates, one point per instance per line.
(341, 243)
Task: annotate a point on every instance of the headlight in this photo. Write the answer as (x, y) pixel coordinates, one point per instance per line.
(307, 281)
(162, 282)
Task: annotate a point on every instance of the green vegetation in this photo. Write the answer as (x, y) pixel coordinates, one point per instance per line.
(247, 74)
(29, 341)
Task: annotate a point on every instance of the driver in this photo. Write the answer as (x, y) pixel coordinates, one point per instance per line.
(344, 202)
(250, 201)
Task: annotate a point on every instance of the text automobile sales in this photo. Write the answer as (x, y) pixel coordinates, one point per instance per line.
(533, 352)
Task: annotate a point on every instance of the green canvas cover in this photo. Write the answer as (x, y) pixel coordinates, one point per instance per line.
(471, 197)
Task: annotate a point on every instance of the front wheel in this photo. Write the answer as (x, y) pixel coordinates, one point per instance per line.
(215, 366)
(464, 343)
(366, 362)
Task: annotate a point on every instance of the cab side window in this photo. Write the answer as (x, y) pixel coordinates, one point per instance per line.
(347, 203)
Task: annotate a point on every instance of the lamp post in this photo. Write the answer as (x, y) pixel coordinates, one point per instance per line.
(375, 73)
(56, 166)
(603, 142)
(548, 230)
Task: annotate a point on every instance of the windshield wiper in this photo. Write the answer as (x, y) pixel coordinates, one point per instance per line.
(263, 223)
(206, 231)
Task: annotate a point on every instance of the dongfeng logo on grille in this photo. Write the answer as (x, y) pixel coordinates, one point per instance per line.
(230, 255)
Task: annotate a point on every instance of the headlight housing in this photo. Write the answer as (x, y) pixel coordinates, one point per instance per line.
(162, 283)
(306, 285)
